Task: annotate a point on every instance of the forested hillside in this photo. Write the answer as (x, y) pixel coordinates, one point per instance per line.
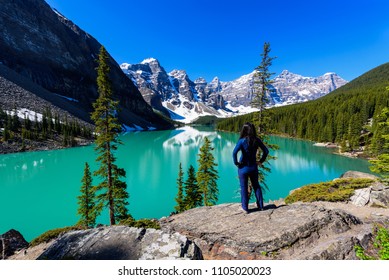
(344, 116)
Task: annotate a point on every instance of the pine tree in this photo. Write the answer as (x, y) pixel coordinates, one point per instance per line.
(120, 194)
(111, 190)
(261, 90)
(86, 200)
(207, 175)
(180, 193)
(193, 196)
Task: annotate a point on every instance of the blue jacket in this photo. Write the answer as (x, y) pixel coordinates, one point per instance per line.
(249, 156)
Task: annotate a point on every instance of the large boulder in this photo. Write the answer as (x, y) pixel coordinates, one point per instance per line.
(357, 174)
(297, 231)
(10, 242)
(121, 243)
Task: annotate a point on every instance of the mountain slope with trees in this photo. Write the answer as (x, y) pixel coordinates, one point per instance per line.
(51, 52)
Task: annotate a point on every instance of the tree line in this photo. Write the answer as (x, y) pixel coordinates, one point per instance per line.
(48, 126)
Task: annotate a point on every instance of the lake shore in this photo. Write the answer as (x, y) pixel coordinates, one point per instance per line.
(354, 154)
(14, 147)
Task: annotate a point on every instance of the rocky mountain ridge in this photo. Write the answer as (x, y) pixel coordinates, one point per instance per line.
(186, 99)
(52, 52)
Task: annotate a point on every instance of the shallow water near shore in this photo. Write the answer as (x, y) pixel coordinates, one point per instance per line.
(39, 189)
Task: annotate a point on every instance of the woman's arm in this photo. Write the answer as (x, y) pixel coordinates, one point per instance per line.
(265, 151)
(235, 152)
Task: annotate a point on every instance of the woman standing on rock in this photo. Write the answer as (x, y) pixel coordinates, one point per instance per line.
(249, 145)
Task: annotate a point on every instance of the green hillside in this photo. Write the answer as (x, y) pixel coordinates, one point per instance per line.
(343, 116)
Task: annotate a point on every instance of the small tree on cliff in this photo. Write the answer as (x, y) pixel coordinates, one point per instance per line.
(86, 201)
(207, 174)
(111, 191)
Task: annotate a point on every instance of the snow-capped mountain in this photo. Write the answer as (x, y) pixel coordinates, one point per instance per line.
(182, 99)
(174, 93)
(288, 88)
(292, 88)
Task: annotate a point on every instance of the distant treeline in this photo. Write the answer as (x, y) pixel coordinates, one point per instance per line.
(48, 127)
(348, 115)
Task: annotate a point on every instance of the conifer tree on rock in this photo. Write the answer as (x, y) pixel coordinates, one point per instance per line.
(207, 175)
(111, 191)
(86, 201)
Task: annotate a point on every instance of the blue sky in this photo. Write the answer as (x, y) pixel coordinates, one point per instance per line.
(225, 38)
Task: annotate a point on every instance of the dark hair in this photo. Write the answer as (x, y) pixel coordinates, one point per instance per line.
(248, 131)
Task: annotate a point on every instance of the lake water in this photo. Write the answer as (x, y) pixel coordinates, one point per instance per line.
(39, 189)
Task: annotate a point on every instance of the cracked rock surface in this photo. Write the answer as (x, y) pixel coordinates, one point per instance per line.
(297, 231)
(121, 243)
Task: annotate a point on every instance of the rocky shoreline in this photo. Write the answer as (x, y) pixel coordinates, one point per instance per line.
(32, 146)
(353, 154)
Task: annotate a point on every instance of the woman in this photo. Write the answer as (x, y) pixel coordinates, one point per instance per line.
(248, 144)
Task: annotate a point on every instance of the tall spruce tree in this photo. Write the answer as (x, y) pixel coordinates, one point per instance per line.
(207, 175)
(111, 191)
(86, 201)
(261, 90)
(180, 193)
(193, 197)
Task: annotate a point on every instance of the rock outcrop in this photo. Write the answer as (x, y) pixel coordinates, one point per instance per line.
(121, 243)
(357, 174)
(377, 195)
(298, 231)
(319, 230)
(10, 242)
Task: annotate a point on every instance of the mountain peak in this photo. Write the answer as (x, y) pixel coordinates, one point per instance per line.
(149, 61)
(287, 73)
(200, 80)
(178, 73)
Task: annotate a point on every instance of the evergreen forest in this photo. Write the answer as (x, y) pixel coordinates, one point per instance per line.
(25, 134)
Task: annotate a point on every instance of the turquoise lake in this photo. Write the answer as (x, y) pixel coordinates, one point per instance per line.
(39, 189)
